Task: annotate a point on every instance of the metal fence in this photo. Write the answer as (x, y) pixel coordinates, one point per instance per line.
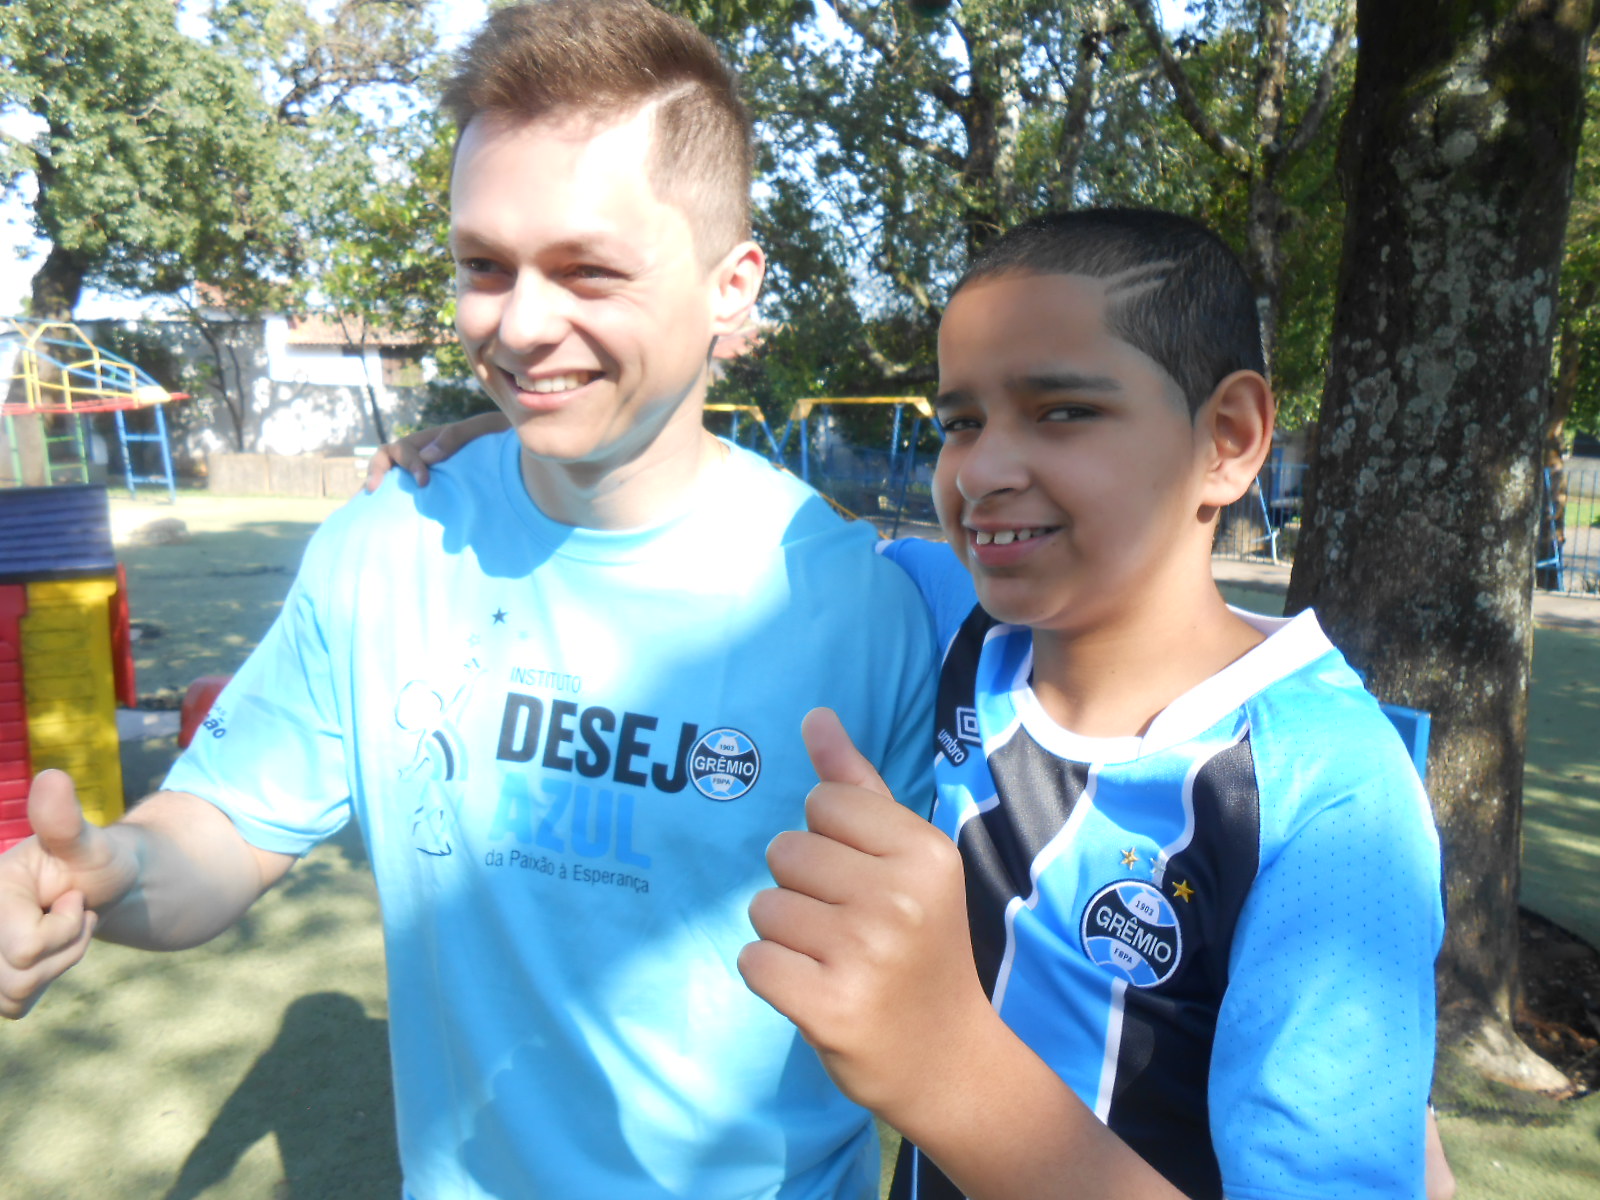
(1265, 524)
(1569, 529)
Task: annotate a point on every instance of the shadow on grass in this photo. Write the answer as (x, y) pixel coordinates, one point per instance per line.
(322, 1090)
(200, 606)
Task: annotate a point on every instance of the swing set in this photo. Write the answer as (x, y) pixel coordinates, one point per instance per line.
(856, 479)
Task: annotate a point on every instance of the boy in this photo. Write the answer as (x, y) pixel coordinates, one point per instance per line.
(558, 689)
(1129, 960)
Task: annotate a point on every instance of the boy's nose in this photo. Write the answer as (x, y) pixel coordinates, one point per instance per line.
(536, 313)
(993, 464)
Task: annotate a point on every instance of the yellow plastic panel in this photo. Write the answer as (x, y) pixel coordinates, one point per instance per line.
(71, 691)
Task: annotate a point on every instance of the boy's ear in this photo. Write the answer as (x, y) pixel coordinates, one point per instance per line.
(737, 281)
(1236, 423)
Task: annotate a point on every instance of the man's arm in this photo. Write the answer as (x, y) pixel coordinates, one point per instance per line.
(172, 874)
(865, 947)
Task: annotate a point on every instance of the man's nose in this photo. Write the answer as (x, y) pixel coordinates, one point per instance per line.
(537, 313)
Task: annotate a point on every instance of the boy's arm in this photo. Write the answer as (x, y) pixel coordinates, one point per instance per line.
(172, 874)
(1324, 1044)
(865, 947)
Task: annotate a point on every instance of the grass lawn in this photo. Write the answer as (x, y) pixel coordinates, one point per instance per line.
(257, 1067)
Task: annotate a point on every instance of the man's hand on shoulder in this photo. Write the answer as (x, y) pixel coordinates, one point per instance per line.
(49, 888)
(418, 451)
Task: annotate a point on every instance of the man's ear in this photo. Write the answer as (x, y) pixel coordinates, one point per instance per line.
(1235, 423)
(737, 281)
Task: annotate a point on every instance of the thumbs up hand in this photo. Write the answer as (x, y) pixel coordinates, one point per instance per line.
(49, 886)
(864, 941)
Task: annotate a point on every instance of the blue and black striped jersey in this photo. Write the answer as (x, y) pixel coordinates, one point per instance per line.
(1220, 933)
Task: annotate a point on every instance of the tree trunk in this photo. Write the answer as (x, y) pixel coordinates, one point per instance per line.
(217, 340)
(1457, 162)
(57, 285)
(1264, 240)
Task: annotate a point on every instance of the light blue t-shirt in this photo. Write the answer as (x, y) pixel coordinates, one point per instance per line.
(568, 750)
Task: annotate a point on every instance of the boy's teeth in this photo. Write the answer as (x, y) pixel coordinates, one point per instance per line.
(1002, 537)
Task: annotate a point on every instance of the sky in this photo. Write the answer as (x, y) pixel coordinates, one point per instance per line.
(21, 253)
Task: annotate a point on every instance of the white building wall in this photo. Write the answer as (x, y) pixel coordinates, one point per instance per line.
(295, 399)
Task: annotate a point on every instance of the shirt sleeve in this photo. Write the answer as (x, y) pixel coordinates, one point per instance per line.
(273, 755)
(945, 585)
(907, 766)
(1324, 1048)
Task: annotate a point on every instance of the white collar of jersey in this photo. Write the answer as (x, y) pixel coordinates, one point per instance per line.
(1291, 643)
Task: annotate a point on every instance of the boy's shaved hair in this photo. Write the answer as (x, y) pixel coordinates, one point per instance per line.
(1174, 290)
(605, 59)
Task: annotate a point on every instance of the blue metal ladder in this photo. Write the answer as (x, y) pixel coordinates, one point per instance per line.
(157, 436)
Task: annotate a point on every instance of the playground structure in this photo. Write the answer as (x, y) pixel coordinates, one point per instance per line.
(65, 650)
(750, 418)
(879, 485)
(55, 373)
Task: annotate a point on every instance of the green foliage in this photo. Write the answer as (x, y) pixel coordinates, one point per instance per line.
(151, 157)
(164, 161)
(887, 154)
(387, 252)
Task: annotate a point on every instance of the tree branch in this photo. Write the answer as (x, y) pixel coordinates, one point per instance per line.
(1082, 97)
(814, 107)
(892, 372)
(1272, 70)
(861, 24)
(1230, 151)
(1321, 99)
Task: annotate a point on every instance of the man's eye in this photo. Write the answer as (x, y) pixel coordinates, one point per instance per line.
(475, 266)
(591, 271)
(1069, 412)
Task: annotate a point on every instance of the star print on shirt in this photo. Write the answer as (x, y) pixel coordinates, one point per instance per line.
(1130, 858)
(1183, 891)
(499, 616)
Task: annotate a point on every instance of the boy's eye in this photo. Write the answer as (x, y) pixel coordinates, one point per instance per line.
(957, 424)
(1069, 412)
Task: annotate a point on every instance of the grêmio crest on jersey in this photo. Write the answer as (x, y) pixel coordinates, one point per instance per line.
(1131, 930)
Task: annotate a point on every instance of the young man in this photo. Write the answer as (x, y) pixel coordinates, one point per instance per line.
(1172, 929)
(558, 688)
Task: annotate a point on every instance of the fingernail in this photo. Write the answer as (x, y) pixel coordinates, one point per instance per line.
(432, 453)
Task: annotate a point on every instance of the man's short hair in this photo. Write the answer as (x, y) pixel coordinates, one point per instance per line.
(1185, 299)
(606, 59)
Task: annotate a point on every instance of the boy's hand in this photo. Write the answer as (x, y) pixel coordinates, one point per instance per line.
(418, 451)
(49, 885)
(864, 942)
